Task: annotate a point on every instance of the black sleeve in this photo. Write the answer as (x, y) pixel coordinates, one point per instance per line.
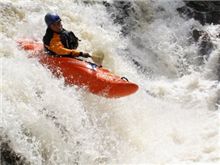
(48, 36)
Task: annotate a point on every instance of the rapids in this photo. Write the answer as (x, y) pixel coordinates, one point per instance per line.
(172, 119)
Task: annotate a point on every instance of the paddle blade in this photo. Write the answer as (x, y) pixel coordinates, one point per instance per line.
(98, 57)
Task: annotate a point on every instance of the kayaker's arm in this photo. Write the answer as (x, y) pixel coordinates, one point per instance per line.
(57, 47)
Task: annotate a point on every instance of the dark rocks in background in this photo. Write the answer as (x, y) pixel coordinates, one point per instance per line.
(206, 12)
(204, 40)
(203, 11)
(124, 12)
(8, 156)
(123, 9)
(120, 12)
(128, 14)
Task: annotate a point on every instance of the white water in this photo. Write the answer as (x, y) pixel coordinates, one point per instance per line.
(49, 123)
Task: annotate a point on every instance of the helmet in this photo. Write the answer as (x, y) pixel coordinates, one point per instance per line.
(51, 18)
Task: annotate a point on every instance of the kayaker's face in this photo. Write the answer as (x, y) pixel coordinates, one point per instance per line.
(56, 26)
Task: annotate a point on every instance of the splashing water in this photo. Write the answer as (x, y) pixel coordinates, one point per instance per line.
(173, 118)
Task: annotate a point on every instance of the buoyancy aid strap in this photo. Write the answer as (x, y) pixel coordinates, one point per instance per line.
(68, 39)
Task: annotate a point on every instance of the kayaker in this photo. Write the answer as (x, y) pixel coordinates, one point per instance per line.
(58, 41)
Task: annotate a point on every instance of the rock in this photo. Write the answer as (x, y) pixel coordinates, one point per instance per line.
(8, 155)
(204, 41)
(120, 12)
(203, 11)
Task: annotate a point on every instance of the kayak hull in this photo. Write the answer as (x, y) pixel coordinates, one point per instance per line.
(84, 74)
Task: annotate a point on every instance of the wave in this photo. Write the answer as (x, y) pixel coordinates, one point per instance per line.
(173, 118)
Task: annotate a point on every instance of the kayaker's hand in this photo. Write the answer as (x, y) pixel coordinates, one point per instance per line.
(85, 55)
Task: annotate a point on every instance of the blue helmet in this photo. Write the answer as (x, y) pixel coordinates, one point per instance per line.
(51, 18)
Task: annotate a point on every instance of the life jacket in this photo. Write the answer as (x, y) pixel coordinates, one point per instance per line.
(67, 38)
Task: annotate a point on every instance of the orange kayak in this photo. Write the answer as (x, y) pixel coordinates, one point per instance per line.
(96, 79)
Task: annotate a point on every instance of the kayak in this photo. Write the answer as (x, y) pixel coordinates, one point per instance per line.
(95, 79)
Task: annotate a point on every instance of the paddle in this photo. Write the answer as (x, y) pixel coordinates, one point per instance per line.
(97, 57)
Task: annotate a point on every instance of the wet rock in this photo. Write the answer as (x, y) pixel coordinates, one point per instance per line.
(120, 11)
(8, 156)
(203, 11)
(204, 43)
(129, 14)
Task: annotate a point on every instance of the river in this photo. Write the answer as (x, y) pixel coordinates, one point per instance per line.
(172, 119)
